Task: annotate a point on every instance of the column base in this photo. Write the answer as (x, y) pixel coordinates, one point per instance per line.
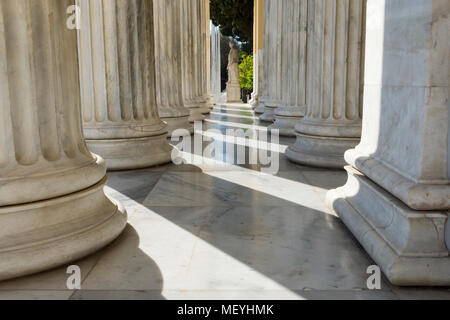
(178, 123)
(254, 101)
(206, 110)
(47, 234)
(285, 125)
(260, 108)
(286, 118)
(408, 245)
(269, 113)
(132, 153)
(196, 115)
(318, 151)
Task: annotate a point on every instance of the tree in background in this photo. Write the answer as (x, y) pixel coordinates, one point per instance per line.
(246, 74)
(235, 19)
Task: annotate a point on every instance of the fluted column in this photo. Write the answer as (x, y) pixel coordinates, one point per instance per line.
(258, 47)
(201, 20)
(216, 86)
(397, 197)
(193, 68)
(169, 86)
(293, 107)
(116, 49)
(332, 123)
(264, 71)
(52, 206)
(272, 58)
(206, 19)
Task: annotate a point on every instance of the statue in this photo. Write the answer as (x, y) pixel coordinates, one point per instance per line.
(233, 86)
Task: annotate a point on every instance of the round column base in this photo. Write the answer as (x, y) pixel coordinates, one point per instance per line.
(318, 151)
(196, 115)
(179, 123)
(206, 109)
(285, 125)
(260, 108)
(47, 234)
(269, 114)
(132, 153)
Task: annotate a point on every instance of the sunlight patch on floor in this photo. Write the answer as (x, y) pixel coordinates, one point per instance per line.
(190, 264)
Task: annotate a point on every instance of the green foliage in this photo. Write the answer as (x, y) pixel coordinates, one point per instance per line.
(235, 19)
(246, 72)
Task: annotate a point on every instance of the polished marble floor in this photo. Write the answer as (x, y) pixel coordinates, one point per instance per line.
(218, 229)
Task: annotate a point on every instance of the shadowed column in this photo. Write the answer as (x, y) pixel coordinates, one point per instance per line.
(116, 49)
(52, 206)
(272, 59)
(169, 84)
(293, 48)
(193, 70)
(397, 197)
(332, 123)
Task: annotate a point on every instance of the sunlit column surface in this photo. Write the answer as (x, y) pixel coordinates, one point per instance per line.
(293, 48)
(206, 19)
(190, 60)
(52, 206)
(116, 49)
(272, 88)
(169, 85)
(335, 54)
(216, 82)
(258, 47)
(264, 71)
(397, 198)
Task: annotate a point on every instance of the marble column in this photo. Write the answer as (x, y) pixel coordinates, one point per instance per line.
(273, 19)
(264, 71)
(169, 85)
(332, 123)
(52, 206)
(216, 88)
(189, 61)
(191, 32)
(397, 197)
(206, 19)
(293, 49)
(258, 47)
(116, 55)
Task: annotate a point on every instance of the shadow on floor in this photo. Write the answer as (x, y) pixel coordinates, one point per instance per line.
(124, 272)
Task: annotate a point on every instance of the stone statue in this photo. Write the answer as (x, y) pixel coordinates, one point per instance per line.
(233, 87)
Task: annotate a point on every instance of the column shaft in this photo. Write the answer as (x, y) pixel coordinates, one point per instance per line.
(273, 58)
(332, 123)
(295, 15)
(258, 38)
(206, 19)
(216, 89)
(265, 57)
(116, 49)
(169, 86)
(52, 206)
(195, 95)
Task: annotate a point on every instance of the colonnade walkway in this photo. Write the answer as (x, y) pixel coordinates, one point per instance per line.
(223, 231)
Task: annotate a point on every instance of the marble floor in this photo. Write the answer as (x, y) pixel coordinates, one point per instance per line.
(223, 230)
